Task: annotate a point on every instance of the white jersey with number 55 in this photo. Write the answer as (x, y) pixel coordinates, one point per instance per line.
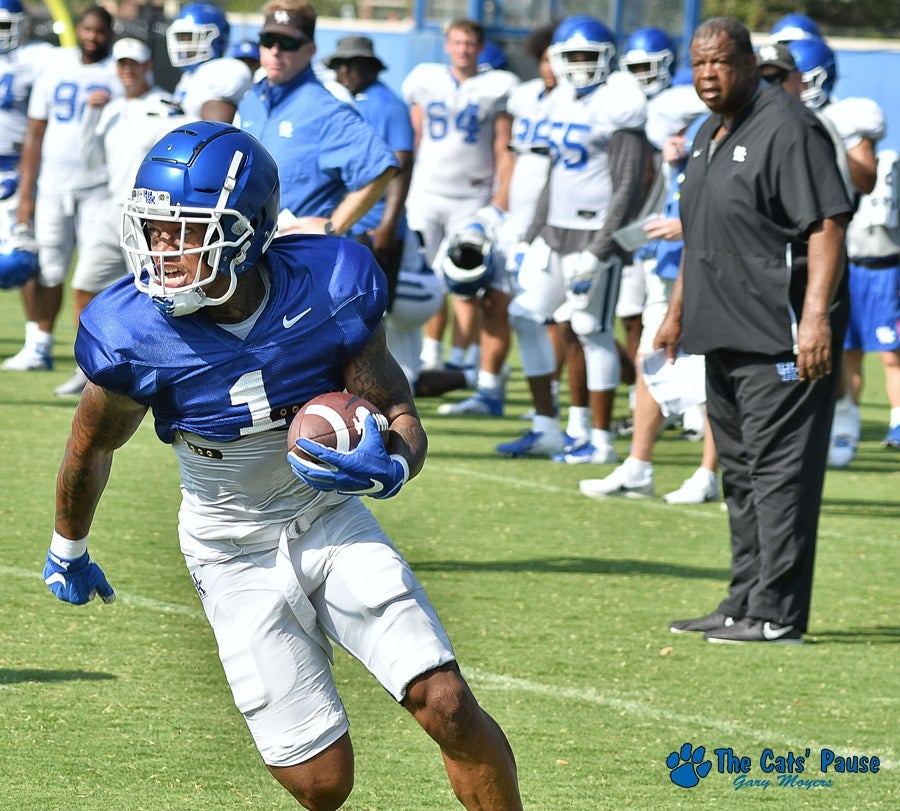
(455, 156)
(580, 129)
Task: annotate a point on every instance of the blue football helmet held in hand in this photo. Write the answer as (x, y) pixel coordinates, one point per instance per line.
(199, 33)
(205, 173)
(581, 52)
(18, 258)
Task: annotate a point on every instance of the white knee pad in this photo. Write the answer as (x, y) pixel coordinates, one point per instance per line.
(535, 349)
(602, 360)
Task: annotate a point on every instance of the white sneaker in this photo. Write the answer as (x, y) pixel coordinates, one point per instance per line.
(841, 451)
(701, 487)
(29, 358)
(73, 386)
(588, 454)
(533, 443)
(621, 482)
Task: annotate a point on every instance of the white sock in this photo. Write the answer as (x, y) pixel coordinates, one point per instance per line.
(431, 351)
(895, 417)
(579, 421)
(473, 356)
(600, 438)
(638, 467)
(544, 425)
(488, 381)
(457, 356)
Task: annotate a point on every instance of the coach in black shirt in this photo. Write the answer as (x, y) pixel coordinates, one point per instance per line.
(762, 293)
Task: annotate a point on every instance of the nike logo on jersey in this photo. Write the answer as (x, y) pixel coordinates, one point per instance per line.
(287, 323)
(770, 634)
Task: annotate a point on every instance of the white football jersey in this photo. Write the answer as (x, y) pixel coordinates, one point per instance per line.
(455, 156)
(59, 97)
(19, 70)
(125, 131)
(528, 105)
(224, 79)
(580, 129)
(854, 119)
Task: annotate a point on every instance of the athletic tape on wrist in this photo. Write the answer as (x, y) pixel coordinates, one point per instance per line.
(404, 464)
(67, 549)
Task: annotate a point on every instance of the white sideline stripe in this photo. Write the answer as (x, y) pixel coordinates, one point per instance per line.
(611, 700)
(642, 503)
(553, 691)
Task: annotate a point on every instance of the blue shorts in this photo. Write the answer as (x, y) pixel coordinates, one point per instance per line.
(874, 309)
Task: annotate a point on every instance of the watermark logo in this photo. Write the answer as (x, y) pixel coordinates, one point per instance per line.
(689, 765)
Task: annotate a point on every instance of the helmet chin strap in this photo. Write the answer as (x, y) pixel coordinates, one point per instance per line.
(185, 302)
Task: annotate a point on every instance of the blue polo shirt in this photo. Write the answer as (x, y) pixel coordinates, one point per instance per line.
(323, 147)
(389, 117)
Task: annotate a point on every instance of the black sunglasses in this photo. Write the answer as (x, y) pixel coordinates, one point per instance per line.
(284, 42)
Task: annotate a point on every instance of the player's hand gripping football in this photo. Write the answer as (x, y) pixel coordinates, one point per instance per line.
(76, 580)
(368, 470)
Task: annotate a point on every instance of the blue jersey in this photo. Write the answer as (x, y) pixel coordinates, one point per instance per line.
(327, 299)
(323, 147)
(388, 115)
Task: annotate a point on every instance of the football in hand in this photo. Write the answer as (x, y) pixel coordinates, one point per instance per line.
(336, 420)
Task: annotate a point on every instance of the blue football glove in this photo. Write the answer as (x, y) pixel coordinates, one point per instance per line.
(8, 186)
(366, 471)
(77, 581)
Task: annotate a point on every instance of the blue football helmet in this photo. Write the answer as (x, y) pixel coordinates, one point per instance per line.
(794, 27)
(469, 260)
(199, 33)
(205, 173)
(492, 56)
(818, 69)
(18, 258)
(650, 56)
(12, 24)
(579, 35)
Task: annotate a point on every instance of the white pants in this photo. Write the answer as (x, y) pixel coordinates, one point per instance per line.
(65, 219)
(270, 611)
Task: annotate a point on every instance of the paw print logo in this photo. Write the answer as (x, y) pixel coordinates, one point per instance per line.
(687, 767)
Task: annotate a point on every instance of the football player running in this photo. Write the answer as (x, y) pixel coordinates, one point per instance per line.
(223, 334)
(212, 83)
(571, 270)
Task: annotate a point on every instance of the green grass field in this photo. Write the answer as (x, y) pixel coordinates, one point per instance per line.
(558, 606)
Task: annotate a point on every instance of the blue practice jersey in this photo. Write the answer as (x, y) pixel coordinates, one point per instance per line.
(327, 299)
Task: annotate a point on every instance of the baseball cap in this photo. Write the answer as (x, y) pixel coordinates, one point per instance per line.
(130, 48)
(289, 24)
(775, 55)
